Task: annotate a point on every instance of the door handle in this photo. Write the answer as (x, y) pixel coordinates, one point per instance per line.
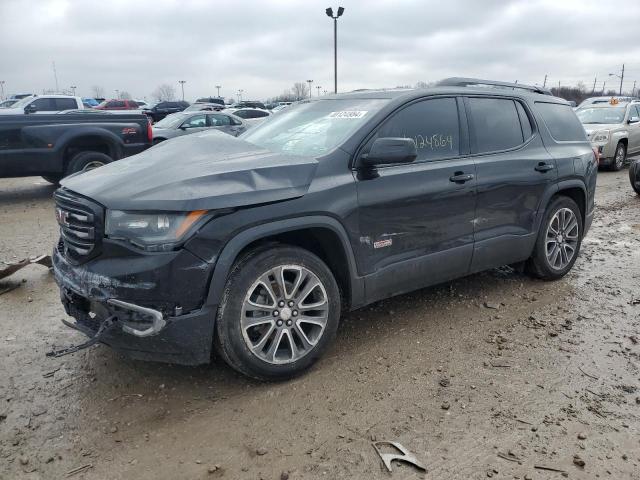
(461, 177)
(544, 167)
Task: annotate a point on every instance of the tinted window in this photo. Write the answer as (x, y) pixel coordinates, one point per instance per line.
(196, 122)
(43, 105)
(634, 112)
(219, 120)
(495, 124)
(527, 130)
(242, 114)
(65, 103)
(562, 122)
(432, 124)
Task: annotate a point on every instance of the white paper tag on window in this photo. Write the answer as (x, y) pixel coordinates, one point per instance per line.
(348, 114)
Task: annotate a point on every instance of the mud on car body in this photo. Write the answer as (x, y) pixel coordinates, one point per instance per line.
(254, 245)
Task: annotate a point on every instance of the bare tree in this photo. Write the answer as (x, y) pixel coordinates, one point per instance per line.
(421, 84)
(164, 93)
(124, 95)
(300, 90)
(98, 91)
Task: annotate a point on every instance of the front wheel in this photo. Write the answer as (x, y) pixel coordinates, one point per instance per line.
(559, 240)
(619, 157)
(279, 313)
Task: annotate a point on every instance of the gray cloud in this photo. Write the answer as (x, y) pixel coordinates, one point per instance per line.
(265, 46)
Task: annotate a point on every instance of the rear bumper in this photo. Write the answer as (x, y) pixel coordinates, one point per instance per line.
(142, 331)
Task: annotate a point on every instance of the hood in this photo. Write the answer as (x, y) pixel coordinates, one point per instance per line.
(201, 171)
(596, 127)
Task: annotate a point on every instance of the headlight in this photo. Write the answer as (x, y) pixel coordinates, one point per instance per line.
(153, 231)
(601, 137)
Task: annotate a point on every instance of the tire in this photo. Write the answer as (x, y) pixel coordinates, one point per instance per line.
(85, 161)
(619, 158)
(634, 176)
(261, 351)
(54, 179)
(546, 262)
(158, 140)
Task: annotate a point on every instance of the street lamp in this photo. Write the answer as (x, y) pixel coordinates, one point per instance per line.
(621, 77)
(73, 90)
(318, 87)
(329, 12)
(182, 82)
(218, 87)
(309, 82)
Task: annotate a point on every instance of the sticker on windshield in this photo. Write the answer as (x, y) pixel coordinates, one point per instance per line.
(348, 114)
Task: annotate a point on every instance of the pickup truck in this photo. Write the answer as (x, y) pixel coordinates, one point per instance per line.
(55, 146)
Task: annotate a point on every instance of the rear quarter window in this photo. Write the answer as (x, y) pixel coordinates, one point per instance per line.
(562, 122)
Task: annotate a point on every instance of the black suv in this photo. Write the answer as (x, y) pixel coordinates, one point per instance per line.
(254, 245)
(161, 109)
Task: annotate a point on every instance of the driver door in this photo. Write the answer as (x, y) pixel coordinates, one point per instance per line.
(416, 219)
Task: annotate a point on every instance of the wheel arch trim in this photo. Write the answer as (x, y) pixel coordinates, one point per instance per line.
(232, 249)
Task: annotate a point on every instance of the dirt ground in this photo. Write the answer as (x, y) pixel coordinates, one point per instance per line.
(494, 375)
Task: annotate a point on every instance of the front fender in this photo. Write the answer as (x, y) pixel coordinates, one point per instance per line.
(232, 249)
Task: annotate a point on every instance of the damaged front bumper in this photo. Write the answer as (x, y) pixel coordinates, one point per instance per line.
(155, 299)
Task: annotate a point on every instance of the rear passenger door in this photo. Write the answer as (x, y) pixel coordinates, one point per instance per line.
(633, 123)
(513, 172)
(416, 218)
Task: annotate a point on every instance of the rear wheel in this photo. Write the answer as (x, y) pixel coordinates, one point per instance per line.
(279, 313)
(619, 158)
(55, 179)
(559, 240)
(85, 161)
(634, 176)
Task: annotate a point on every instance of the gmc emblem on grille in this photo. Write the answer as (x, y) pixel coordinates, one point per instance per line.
(62, 216)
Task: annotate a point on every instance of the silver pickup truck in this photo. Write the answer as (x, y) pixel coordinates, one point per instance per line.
(614, 128)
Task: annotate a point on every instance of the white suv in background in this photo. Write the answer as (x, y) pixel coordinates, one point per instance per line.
(44, 104)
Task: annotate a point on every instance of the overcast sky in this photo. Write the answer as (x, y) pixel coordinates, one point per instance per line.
(263, 47)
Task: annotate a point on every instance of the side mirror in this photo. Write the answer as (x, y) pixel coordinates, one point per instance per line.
(390, 150)
(634, 120)
(31, 108)
(183, 127)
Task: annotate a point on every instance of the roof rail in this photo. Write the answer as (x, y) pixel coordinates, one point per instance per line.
(469, 82)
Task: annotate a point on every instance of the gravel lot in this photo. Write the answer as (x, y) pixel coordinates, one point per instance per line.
(494, 375)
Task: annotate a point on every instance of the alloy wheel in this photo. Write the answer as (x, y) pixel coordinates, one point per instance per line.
(563, 234)
(284, 314)
(619, 156)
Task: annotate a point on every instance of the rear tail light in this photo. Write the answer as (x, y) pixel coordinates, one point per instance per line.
(149, 130)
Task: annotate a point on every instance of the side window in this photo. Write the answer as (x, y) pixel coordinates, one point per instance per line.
(433, 124)
(525, 122)
(196, 121)
(495, 124)
(65, 103)
(562, 122)
(634, 112)
(219, 120)
(43, 105)
(242, 114)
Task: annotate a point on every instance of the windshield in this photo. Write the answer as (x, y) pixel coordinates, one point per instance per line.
(22, 102)
(313, 128)
(171, 121)
(601, 115)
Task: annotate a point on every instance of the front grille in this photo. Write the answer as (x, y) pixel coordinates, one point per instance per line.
(80, 223)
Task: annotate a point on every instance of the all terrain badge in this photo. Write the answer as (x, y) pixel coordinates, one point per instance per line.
(383, 243)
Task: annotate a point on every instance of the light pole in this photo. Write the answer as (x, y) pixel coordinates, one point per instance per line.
(329, 12)
(182, 82)
(309, 82)
(633, 90)
(621, 77)
(218, 87)
(2, 89)
(73, 90)
(318, 87)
